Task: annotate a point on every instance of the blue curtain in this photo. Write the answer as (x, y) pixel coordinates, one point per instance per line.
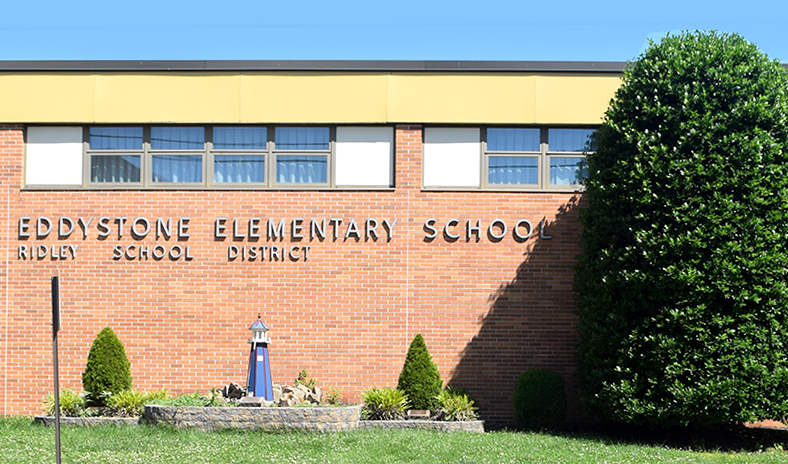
(177, 138)
(504, 139)
(238, 168)
(239, 138)
(301, 169)
(582, 140)
(301, 138)
(114, 168)
(177, 168)
(567, 170)
(513, 170)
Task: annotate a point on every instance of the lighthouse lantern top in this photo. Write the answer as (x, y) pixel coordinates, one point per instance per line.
(259, 332)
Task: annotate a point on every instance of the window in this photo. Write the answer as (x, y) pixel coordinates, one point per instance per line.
(567, 149)
(537, 158)
(513, 156)
(177, 154)
(238, 156)
(301, 155)
(116, 154)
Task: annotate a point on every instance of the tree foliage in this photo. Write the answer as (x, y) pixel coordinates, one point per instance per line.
(420, 379)
(681, 286)
(108, 369)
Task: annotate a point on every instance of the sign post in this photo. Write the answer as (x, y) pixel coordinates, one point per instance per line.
(55, 329)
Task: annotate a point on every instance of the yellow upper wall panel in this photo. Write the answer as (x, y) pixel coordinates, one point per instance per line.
(179, 98)
(304, 97)
(46, 98)
(573, 99)
(463, 98)
(313, 98)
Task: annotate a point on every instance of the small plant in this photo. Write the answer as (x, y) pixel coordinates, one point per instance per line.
(539, 400)
(384, 404)
(130, 403)
(305, 379)
(332, 396)
(72, 404)
(420, 378)
(108, 369)
(455, 405)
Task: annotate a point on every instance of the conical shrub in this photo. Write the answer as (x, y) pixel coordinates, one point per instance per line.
(108, 368)
(420, 379)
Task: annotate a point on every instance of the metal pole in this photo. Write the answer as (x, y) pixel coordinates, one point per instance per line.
(55, 328)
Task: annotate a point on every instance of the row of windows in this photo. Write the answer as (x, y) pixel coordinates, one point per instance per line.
(302, 156)
(514, 156)
(234, 155)
(524, 158)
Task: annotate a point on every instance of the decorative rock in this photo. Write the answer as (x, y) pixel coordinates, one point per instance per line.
(252, 402)
(233, 391)
(420, 414)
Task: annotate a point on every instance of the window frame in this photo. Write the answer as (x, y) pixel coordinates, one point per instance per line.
(275, 153)
(88, 156)
(211, 159)
(544, 155)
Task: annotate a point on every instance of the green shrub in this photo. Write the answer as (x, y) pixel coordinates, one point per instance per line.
(682, 284)
(455, 405)
(384, 404)
(130, 403)
(420, 379)
(108, 368)
(72, 404)
(539, 400)
(332, 396)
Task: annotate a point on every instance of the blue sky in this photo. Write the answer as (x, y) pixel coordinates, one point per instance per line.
(373, 30)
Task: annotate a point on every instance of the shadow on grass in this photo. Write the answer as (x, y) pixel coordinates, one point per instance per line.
(729, 438)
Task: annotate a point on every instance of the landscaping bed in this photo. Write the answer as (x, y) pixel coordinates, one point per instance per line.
(317, 419)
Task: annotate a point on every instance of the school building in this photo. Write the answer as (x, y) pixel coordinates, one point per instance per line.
(351, 205)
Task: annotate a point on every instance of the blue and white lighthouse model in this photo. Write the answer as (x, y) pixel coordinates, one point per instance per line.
(259, 379)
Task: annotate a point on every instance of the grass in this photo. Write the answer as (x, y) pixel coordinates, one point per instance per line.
(23, 442)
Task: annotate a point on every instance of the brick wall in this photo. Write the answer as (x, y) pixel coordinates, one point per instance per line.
(487, 308)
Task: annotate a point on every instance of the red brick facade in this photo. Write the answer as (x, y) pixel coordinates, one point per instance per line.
(488, 308)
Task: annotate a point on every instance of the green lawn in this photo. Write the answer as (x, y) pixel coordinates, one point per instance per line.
(23, 442)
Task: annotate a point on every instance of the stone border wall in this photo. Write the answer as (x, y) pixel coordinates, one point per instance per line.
(314, 419)
(440, 426)
(49, 421)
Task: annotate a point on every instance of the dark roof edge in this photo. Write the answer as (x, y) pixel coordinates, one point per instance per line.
(313, 65)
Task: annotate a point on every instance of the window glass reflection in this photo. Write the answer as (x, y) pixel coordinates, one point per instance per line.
(115, 138)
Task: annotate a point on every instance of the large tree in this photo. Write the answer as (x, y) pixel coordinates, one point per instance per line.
(682, 284)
